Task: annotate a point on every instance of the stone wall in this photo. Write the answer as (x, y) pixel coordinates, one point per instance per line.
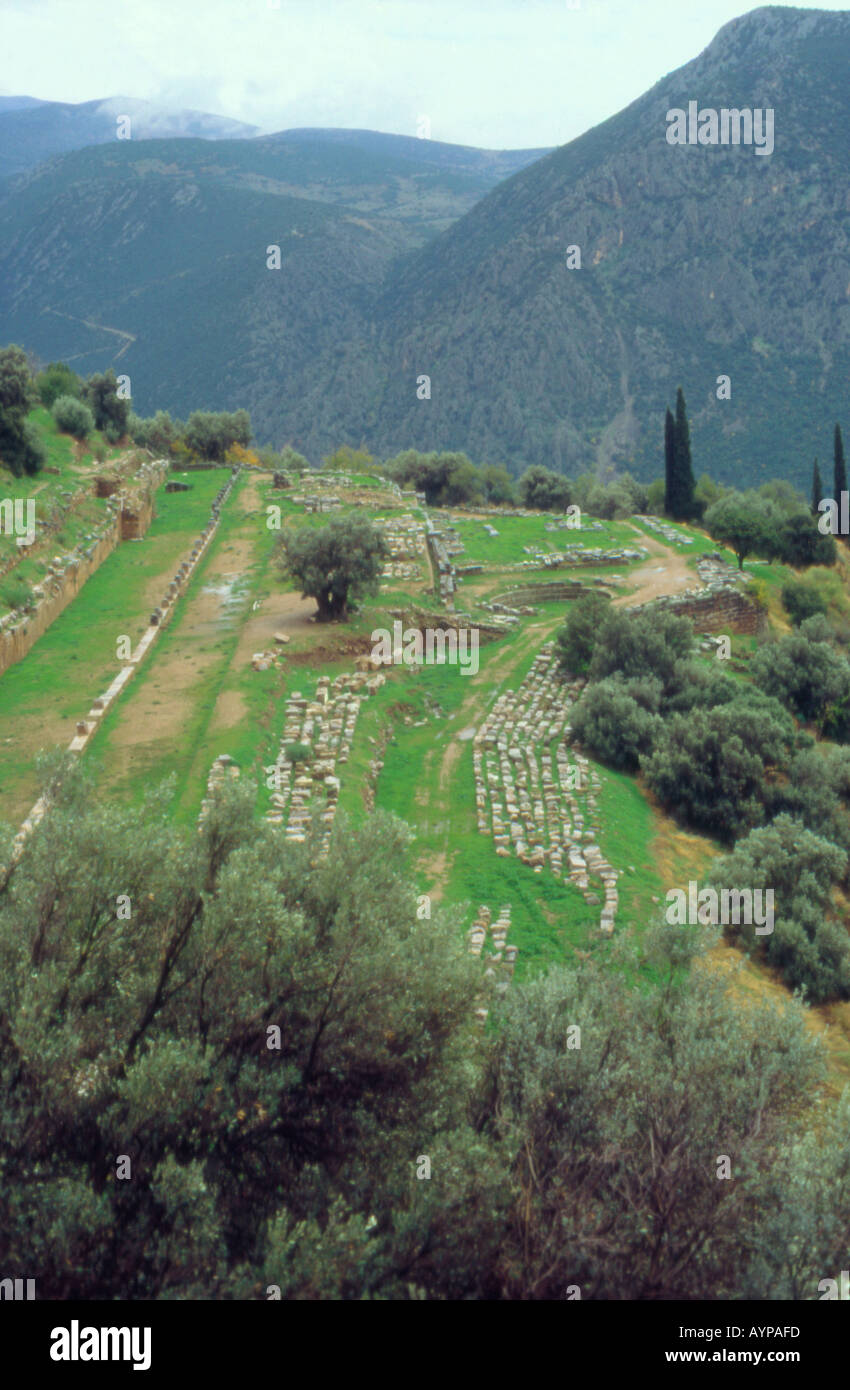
(66, 502)
(717, 610)
(17, 638)
(564, 590)
(129, 514)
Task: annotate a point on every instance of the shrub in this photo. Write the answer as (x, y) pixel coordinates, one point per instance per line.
(714, 768)
(651, 643)
(615, 720)
(797, 541)
(576, 641)
(804, 671)
(801, 601)
(809, 949)
(57, 380)
(542, 489)
(73, 417)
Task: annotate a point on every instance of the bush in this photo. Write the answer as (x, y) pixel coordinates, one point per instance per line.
(649, 643)
(73, 417)
(804, 671)
(542, 489)
(57, 380)
(810, 950)
(209, 434)
(32, 452)
(714, 769)
(801, 601)
(616, 721)
(112, 433)
(576, 641)
(797, 541)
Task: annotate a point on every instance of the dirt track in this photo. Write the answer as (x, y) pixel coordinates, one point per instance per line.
(655, 579)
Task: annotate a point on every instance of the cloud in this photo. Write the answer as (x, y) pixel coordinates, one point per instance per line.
(495, 73)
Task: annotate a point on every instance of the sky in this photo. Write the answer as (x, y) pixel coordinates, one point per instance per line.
(501, 74)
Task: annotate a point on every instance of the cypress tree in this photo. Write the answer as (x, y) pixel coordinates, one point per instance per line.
(840, 476)
(669, 462)
(817, 489)
(684, 473)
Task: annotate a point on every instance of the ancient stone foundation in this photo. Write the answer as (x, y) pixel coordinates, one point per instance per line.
(563, 590)
(717, 610)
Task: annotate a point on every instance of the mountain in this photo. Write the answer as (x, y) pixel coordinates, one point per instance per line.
(11, 103)
(405, 257)
(697, 261)
(32, 130)
(493, 165)
(151, 256)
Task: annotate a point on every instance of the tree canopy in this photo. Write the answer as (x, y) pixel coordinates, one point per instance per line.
(336, 564)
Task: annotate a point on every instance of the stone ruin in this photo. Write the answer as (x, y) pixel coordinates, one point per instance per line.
(664, 529)
(223, 768)
(501, 959)
(326, 726)
(579, 554)
(442, 548)
(715, 572)
(405, 538)
(535, 796)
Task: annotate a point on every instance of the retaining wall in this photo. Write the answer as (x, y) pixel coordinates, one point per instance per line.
(130, 516)
(716, 610)
(546, 593)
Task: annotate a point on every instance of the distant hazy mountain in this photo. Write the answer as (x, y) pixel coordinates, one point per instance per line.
(18, 103)
(32, 130)
(698, 261)
(492, 164)
(152, 255)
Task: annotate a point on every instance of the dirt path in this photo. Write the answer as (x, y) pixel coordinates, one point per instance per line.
(153, 715)
(665, 572)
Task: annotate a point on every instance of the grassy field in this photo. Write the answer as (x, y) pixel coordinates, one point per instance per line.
(506, 549)
(42, 696)
(46, 489)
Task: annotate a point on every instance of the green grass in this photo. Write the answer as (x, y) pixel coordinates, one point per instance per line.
(191, 759)
(515, 532)
(45, 488)
(43, 695)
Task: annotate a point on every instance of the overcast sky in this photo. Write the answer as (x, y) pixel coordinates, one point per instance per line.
(495, 73)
